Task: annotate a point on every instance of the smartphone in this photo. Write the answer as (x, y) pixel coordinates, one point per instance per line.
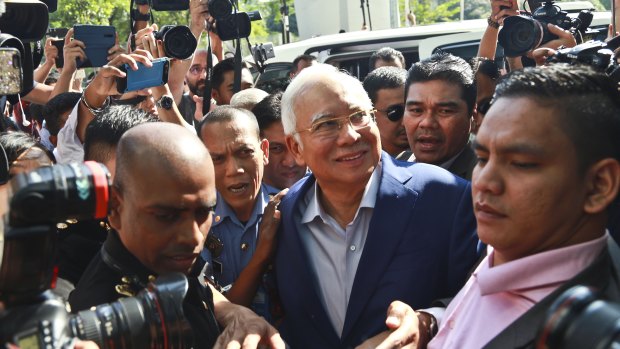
(11, 71)
(60, 44)
(57, 32)
(144, 77)
(98, 40)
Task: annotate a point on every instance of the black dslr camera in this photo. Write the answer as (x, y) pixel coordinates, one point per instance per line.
(525, 32)
(22, 23)
(230, 24)
(579, 319)
(33, 317)
(178, 41)
(165, 5)
(597, 54)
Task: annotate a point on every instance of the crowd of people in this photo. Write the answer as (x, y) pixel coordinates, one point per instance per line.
(446, 204)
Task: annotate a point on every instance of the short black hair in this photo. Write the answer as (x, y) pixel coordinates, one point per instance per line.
(382, 78)
(58, 105)
(106, 130)
(485, 66)
(307, 58)
(387, 54)
(268, 111)
(587, 104)
(448, 68)
(16, 143)
(226, 113)
(223, 66)
(36, 112)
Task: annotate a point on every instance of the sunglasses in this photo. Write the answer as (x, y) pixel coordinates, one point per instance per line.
(394, 112)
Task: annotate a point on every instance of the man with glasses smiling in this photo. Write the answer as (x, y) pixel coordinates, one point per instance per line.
(362, 230)
(386, 89)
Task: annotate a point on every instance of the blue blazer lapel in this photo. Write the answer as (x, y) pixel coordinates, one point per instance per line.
(297, 258)
(389, 221)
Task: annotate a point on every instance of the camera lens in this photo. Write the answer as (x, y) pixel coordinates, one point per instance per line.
(152, 319)
(577, 319)
(220, 9)
(179, 42)
(520, 35)
(55, 193)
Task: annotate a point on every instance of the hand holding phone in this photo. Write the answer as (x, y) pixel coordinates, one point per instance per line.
(144, 77)
(98, 40)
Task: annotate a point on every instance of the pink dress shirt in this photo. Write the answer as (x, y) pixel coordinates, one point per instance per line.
(494, 297)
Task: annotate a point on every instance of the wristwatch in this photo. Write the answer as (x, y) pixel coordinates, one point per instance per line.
(165, 102)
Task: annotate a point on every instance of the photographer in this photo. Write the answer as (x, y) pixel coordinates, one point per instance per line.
(191, 70)
(96, 99)
(160, 231)
(500, 10)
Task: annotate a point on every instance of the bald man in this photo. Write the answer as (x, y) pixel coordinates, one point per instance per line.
(161, 212)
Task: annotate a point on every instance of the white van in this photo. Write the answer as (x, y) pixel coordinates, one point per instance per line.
(351, 51)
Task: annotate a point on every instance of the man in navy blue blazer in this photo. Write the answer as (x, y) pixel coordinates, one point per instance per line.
(364, 229)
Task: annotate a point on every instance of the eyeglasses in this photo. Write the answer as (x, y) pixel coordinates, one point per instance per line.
(330, 127)
(197, 70)
(394, 112)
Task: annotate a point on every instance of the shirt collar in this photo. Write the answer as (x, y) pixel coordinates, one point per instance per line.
(369, 198)
(446, 165)
(541, 269)
(223, 211)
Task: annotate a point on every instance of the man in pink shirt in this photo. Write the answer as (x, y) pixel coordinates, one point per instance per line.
(548, 170)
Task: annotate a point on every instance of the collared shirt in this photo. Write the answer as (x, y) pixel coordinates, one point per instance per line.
(496, 296)
(69, 148)
(446, 165)
(335, 252)
(239, 242)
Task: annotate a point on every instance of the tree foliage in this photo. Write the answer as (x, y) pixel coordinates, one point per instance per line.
(116, 13)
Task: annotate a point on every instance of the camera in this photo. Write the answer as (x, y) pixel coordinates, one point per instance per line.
(579, 319)
(33, 316)
(230, 24)
(597, 54)
(178, 41)
(165, 5)
(23, 22)
(525, 32)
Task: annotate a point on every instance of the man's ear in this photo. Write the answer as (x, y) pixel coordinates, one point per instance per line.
(295, 149)
(215, 94)
(603, 181)
(116, 202)
(264, 146)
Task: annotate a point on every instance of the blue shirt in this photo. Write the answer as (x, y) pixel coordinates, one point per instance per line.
(239, 243)
(335, 252)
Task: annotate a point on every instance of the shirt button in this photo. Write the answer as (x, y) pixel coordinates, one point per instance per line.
(217, 218)
(244, 247)
(352, 248)
(451, 324)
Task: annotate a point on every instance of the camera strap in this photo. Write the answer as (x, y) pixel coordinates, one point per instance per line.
(206, 94)
(237, 85)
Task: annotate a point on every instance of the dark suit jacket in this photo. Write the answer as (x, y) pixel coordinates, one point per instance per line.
(464, 164)
(602, 275)
(421, 243)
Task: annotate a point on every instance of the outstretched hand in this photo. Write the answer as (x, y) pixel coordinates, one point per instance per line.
(245, 329)
(403, 330)
(104, 84)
